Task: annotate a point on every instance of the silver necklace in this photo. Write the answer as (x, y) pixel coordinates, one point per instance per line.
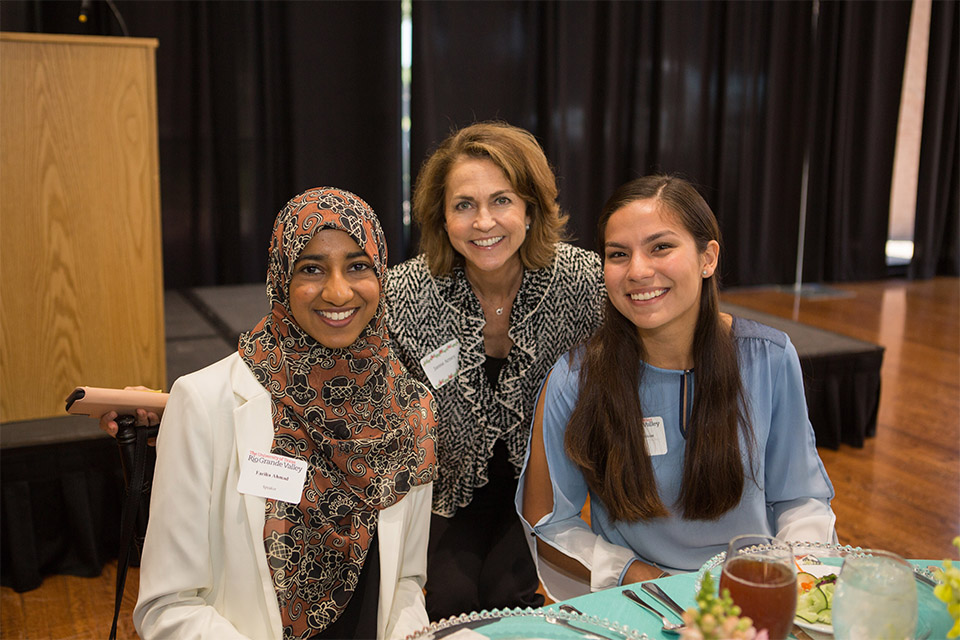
(497, 310)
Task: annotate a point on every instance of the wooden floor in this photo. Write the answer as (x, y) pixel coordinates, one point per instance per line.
(900, 492)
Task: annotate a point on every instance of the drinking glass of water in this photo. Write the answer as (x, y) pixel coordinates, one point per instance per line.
(876, 598)
(761, 575)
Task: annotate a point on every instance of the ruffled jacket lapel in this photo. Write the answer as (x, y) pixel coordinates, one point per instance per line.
(523, 332)
(465, 306)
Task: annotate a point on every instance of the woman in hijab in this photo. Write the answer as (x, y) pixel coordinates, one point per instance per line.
(294, 478)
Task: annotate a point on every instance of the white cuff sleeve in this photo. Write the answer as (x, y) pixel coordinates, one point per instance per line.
(807, 519)
(609, 563)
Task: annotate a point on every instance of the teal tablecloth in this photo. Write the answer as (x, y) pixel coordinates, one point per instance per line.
(612, 605)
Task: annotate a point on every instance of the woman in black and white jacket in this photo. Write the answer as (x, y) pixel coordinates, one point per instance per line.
(481, 315)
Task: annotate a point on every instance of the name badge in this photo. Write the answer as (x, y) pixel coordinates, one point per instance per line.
(655, 436)
(268, 475)
(441, 364)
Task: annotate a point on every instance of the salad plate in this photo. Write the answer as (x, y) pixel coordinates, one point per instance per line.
(526, 624)
(817, 571)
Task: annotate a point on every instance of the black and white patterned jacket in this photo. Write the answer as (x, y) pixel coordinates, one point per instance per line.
(556, 307)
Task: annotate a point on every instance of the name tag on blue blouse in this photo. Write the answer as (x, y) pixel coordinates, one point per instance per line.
(441, 364)
(267, 475)
(655, 436)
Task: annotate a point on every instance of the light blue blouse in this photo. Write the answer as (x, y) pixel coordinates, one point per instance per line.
(791, 496)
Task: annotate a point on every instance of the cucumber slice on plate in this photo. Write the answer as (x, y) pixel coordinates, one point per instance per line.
(825, 617)
(810, 604)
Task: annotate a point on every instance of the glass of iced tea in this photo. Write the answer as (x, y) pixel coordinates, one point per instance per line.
(761, 575)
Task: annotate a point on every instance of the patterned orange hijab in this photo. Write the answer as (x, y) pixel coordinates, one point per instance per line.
(363, 424)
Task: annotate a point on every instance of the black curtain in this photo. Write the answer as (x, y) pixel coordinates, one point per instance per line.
(858, 68)
(711, 91)
(260, 100)
(257, 101)
(936, 248)
(727, 94)
(472, 61)
(716, 92)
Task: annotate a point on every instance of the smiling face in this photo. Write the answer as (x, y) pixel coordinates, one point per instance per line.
(653, 270)
(485, 218)
(334, 291)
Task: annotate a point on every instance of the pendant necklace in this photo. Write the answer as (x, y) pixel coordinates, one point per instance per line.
(498, 310)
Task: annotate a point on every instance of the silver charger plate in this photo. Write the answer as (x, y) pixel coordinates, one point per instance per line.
(514, 624)
(806, 553)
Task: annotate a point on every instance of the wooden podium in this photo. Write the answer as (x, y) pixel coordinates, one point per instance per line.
(81, 278)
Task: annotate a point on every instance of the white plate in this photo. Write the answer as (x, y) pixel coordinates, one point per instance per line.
(818, 570)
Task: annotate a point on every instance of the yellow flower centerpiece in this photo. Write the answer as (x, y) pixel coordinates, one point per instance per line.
(949, 591)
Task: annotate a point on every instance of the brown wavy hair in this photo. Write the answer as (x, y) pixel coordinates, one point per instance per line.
(520, 157)
(605, 434)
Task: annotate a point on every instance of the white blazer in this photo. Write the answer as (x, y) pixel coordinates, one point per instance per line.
(204, 570)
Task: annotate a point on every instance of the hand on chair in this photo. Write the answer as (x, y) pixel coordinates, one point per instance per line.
(108, 420)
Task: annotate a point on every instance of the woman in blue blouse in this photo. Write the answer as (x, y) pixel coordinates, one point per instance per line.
(684, 425)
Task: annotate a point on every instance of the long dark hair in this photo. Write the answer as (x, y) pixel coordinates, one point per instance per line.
(605, 434)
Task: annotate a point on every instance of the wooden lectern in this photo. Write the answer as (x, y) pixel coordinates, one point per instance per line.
(81, 278)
